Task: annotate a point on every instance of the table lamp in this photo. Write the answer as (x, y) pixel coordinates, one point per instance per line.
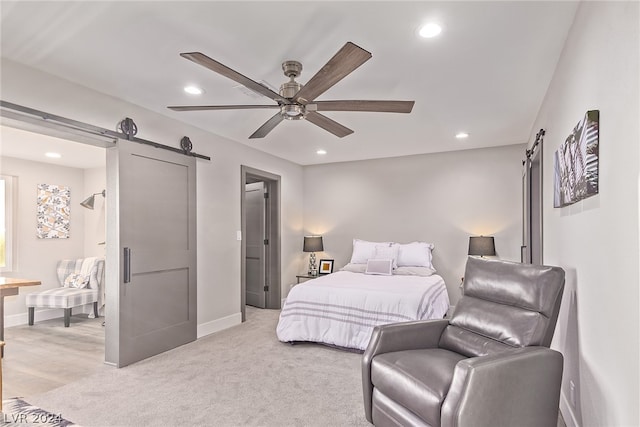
(312, 244)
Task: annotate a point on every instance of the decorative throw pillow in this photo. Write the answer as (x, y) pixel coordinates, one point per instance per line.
(382, 267)
(387, 252)
(75, 280)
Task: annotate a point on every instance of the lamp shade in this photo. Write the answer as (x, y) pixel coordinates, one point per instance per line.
(89, 201)
(482, 245)
(312, 244)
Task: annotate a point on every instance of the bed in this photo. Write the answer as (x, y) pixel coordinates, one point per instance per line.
(341, 309)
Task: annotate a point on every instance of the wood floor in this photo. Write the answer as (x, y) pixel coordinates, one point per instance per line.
(47, 355)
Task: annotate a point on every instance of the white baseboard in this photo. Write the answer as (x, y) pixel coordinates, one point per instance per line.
(217, 325)
(43, 314)
(55, 313)
(568, 414)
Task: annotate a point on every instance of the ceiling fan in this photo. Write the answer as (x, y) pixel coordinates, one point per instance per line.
(296, 101)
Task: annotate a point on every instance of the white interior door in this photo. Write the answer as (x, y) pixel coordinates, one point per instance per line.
(155, 245)
(255, 235)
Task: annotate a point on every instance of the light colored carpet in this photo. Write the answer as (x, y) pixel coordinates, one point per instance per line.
(242, 376)
(16, 412)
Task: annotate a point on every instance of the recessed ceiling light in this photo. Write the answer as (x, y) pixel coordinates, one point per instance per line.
(321, 152)
(430, 30)
(193, 90)
(462, 135)
(53, 155)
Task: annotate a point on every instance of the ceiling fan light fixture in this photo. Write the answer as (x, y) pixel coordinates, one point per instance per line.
(292, 112)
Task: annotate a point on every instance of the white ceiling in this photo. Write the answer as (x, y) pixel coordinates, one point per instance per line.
(23, 144)
(486, 74)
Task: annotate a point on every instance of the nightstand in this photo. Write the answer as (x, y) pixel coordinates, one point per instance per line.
(304, 276)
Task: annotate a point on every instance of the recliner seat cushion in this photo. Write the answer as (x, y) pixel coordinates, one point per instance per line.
(420, 379)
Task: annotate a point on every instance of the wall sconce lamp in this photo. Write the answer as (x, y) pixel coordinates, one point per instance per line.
(482, 246)
(89, 201)
(312, 244)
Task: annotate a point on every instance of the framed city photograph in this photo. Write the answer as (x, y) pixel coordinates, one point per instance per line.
(326, 266)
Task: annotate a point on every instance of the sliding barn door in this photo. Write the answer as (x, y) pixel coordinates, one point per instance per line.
(156, 197)
(531, 250)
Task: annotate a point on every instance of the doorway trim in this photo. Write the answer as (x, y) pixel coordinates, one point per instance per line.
(272, 184)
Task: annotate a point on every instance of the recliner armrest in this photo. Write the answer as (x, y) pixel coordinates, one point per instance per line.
(413, 335)
(404, 336)
(519, 387)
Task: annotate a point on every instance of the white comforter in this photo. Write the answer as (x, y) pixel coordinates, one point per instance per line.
(342, 308)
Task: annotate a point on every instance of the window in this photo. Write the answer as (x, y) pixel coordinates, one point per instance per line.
(7, 187)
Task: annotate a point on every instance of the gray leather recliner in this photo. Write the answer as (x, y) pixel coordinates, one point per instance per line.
(489, 365)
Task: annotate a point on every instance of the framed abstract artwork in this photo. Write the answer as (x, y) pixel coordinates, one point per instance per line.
(576, 165)
(326, 266)
(53, 212)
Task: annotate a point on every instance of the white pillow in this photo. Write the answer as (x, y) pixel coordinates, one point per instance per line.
(75, 280)
(415, 254)
(363, 250)
(379, 266)
(413, 271)
(387, 252)
(354, 268)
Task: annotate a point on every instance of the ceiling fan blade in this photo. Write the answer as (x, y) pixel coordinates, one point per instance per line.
(357, 105)
(344, 62)
(218, 107)
(327, 124)
(213, 65)
(268, 126)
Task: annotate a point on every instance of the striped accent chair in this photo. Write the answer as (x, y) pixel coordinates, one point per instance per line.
(81, 282)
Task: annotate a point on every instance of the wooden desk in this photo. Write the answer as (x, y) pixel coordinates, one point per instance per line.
(10, 286)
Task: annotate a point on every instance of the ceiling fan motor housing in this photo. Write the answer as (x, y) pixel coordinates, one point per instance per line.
(289, 89)
(292, 69)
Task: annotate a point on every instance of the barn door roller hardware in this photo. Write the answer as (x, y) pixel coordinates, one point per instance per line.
(127, 127)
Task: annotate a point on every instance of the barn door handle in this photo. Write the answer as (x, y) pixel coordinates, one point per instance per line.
(127, 265)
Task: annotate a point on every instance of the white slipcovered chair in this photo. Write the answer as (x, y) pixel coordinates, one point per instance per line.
(80, 283)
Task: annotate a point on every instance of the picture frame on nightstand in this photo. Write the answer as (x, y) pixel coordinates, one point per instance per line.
(325, 266)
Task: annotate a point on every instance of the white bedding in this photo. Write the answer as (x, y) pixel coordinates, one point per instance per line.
(342, 308)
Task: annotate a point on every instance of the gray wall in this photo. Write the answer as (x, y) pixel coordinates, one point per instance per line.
(94, 220)
(439, 198)
(218, 183)
(37, 258)
(596, 240)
